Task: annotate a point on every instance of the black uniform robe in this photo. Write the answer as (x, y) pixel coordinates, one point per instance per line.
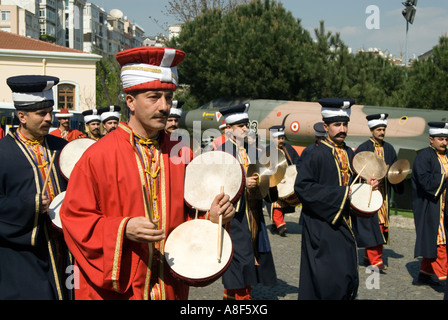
(428, 184)
(243, 270)
(305, 153)
(28, 241)
(367, 231)
(328, 266)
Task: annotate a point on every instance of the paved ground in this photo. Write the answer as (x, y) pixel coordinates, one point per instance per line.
(398, 283)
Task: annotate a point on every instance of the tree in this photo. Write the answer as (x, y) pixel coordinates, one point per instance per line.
(108, 84)
(256, 51)
(426, 87)
(188, 10)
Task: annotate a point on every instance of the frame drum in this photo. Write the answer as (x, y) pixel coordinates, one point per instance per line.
(191, 252)
(71, 154)
(359, 200)
(53, 210)
(207, 173)
(286, 187)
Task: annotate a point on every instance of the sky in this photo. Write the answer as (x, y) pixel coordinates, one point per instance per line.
(362, 24)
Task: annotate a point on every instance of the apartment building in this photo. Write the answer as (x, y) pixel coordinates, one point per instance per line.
(75, 24)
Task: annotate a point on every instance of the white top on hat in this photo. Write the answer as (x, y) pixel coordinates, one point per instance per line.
(26, 98)
(110, 114)
(435, 131)
(133, 74)
(344, 111)
(92, 117)
(376, 122)
(236, 117)
(63, 115)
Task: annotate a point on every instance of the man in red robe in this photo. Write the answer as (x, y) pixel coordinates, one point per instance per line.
(64, 131)
(117, 239)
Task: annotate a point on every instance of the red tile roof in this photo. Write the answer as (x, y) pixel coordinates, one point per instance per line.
(9, 40)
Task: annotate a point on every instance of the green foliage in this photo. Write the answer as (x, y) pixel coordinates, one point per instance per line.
(108, 82)
(255, 51)
(427, 82)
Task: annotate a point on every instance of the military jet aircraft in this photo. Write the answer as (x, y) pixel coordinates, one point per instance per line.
(407, 129)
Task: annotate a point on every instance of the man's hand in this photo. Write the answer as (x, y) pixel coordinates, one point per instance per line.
(373, 182)
(252, 182)
(45, 204)
(222, 206)
(140, 229)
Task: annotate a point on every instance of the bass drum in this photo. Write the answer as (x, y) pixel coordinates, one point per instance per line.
(191, 252)
(365, 203)
(286, 187)
(207, 173)
(54, 208)
(71, 154)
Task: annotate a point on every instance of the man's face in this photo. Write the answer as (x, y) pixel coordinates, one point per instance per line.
(35, 124)
(65, 123)
(110, 125)
(439, 143)
(239, 130)
(279, 141)
(150, 109)
(94, 127)
(379, 133)
(172, 124)
(337, 131)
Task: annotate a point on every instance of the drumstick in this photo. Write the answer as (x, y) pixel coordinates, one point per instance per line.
(148, 206)
(358, 175)
(370, 194)
(49, 171)
(220, 232)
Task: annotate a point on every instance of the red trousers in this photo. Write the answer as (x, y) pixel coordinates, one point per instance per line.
(438, 265)
(238, 294)
(375, 254)
(278, 217)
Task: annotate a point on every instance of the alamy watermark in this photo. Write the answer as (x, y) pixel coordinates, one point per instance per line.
(373, 19)
(373, 280)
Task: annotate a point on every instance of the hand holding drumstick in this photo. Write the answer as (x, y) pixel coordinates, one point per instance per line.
(221, 206)
(372, 181)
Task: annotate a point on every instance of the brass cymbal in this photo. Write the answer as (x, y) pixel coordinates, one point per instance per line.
(276, 162)
(398, 171)
(374, 165)
(263, 179)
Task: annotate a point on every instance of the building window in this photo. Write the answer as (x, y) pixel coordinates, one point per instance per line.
(66, 96)
(6, 15)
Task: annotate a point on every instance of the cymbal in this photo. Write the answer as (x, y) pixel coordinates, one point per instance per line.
(276, 162)
(263, 179)
(398, 171)
(374, 165)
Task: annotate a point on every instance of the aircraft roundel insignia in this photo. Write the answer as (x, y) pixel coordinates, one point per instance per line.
(295, 126)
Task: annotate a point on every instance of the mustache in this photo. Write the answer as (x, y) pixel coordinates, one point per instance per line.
(341, 134)
(161, 114)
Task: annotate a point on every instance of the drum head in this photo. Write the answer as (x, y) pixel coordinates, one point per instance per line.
(373, 165)
(53, 210)
(191, 251)
(286, 186)
(71, 154)
(360, 198)
(207, 173)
